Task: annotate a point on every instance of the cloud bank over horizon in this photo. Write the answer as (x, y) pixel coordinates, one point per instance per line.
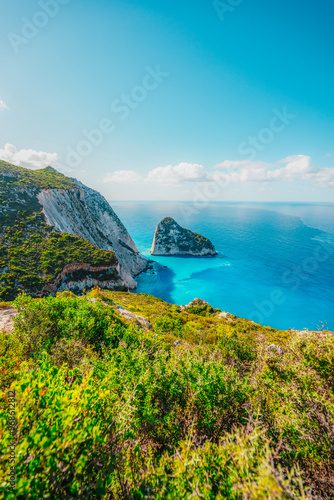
(289, 169)
(184, 179)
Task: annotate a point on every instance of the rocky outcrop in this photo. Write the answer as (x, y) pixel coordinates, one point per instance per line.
(226, 316)
(172, 239)
(276, 348)
(84, 212)
(180, 343)
(78, 277)
(141, 322)
(198, 305)
(7, 316)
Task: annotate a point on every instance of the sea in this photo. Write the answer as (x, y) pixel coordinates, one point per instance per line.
(275, 262)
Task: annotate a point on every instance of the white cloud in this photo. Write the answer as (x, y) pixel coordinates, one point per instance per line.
(184, 172)
(123, 177)
(328, 155)
(290, 169)
(27, 157)
(296, 168)
(169, 175)
(3, 105)
(247, 164)
(325, 177)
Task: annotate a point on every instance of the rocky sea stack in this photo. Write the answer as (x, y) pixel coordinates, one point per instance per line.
(172, 239)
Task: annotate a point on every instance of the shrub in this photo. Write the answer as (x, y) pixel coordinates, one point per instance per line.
(67, 438)
(43, 323)
(11, 357)
(241, 466)
(106, 410)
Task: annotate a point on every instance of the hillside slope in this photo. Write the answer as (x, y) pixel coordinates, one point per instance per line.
(50, 223)
(191, 402)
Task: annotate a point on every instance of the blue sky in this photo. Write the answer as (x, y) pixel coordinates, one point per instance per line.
(172, 100)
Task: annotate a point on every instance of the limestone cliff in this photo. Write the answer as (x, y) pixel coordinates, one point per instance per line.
(172, 239)
(57, 234)
(86, 213)
(78, 277)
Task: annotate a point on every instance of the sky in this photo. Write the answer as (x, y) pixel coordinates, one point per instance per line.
(172, 100)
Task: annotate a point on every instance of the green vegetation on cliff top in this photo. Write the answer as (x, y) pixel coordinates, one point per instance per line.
(199, 239)
(200, 407)
(45, 178)
(32, 253)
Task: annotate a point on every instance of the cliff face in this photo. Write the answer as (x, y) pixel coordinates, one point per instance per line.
(172, 239)
(50, 223)
(85, 212)
(78, 277)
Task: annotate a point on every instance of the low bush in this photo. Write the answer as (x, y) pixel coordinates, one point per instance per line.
(107, 410)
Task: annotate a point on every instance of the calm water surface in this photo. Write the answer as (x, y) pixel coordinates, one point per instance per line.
(275, 262)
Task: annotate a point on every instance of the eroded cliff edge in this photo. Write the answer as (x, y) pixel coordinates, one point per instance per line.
(84, 212)
(57, 234)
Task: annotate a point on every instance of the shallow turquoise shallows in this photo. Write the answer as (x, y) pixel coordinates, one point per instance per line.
(275, 262)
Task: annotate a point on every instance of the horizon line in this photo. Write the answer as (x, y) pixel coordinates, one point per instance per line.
(223, 201)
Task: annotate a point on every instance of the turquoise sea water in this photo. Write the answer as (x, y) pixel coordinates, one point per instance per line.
(275, 262)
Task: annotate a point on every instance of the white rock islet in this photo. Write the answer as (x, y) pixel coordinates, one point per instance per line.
(172, 239)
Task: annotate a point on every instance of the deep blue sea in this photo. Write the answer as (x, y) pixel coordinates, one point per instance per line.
(275, 262)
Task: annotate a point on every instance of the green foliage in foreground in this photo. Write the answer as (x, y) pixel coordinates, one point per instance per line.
(106, 410)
